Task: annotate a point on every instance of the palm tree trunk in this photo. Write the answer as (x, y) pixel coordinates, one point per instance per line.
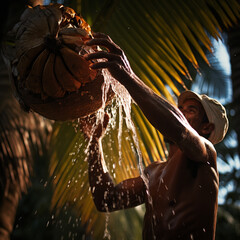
(8, 208)
(234, 49)
(11, 192)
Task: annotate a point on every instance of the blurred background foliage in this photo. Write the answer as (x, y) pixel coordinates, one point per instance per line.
(170, 45)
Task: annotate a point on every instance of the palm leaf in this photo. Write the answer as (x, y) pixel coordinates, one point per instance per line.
(159, 38)
(211, 77)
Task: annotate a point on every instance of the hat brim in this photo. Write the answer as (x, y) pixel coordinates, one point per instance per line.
(189, 95)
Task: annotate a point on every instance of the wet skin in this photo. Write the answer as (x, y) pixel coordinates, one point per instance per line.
(183, 190)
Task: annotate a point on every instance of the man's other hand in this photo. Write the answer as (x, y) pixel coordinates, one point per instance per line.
(93, 129)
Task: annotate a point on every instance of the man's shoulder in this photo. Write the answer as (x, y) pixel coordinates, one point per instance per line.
(154, 166)
(210, 149)
(209, 156)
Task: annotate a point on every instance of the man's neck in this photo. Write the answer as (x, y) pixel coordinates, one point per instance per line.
(172, 149)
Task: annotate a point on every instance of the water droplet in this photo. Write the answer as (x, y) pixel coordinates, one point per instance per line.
(74, 161)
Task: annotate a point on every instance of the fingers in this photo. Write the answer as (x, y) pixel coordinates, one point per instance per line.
(112, 47)
(101, 35)
(102, 54)
(104, 41)
(101, 65)
(89, 123)
(113, 59)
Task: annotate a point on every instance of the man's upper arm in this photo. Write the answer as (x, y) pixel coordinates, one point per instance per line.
(196, 147)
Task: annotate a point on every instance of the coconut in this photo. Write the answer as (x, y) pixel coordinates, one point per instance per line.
(53, 78)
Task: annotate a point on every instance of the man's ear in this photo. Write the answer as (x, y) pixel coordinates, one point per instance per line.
(207, 128)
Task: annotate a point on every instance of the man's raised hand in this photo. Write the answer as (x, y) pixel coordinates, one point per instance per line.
(92, 129)
(114, 58)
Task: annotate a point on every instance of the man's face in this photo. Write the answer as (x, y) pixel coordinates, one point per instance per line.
(194, 113)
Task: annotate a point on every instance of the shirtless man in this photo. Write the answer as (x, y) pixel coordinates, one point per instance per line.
(184, 189)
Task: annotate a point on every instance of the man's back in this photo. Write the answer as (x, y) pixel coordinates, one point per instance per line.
(184, 199)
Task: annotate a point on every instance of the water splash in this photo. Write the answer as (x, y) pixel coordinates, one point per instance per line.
(107, 234)
(124, 101)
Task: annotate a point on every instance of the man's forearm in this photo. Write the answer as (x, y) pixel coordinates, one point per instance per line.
(100, 180)
(106, 195)
(162, 115)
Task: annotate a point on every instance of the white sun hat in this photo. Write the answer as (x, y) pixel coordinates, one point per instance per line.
(215, 112)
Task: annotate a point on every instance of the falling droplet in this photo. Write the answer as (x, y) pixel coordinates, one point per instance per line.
(106, 231)
(47, 224)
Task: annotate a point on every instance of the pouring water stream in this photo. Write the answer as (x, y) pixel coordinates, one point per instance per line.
(124, 101)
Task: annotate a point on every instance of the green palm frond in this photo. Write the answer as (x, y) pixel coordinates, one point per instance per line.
(162, 32)
(211, 77)
(160, 38)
